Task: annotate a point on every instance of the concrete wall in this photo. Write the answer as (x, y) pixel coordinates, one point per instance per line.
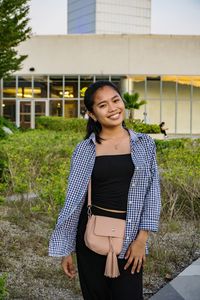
(112, 54)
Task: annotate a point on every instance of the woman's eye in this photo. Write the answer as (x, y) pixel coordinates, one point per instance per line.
(101, 106)
(116, 100)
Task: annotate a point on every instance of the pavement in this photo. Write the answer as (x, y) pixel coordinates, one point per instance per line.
(186, 286)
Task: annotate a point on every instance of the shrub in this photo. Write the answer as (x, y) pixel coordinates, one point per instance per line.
(3, 290)
(179, 163)
(6, 123)
(61, 124)
(142, 127)
(79, 125)
(38, 161)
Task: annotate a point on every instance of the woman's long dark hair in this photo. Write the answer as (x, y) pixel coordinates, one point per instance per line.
(95, 126)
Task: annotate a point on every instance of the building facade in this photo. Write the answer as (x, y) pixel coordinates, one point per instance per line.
(109, 17)
(164, 70)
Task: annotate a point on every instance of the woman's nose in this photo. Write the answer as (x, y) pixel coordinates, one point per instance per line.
(111, 107)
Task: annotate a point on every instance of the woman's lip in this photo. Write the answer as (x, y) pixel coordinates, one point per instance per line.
(114, 115)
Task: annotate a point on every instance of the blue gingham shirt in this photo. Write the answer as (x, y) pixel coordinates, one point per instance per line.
(143, 206)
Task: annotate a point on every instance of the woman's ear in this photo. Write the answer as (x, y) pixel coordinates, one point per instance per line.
(91, 115)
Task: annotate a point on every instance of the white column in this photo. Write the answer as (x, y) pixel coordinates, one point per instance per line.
(32, 114)
(124, 85)
(79, 89)
(191, 108)
(130, 86)
(17, 112)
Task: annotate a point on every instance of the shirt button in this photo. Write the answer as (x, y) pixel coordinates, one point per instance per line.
(130, 202)
(133, 184)
(137, 168)
(127, 238)
(129, 220)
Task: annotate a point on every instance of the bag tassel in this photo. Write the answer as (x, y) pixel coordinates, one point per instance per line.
(111, 269)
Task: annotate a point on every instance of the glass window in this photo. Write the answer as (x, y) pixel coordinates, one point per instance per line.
(71, 109)
(196, 104)
(40, 87)
(39, 108)
(139, 85)
(169, 87)
(24, 87)
(82, 108)
(184, 87)
(153, 111)
(116, 81)
(9, 88)
(84, 84)
(153, 87)
(169, 101)
(196, 88)
(9, 110)
(183, 116)
(71, 87)
(55, 108)
(195, 116)
(56, 86)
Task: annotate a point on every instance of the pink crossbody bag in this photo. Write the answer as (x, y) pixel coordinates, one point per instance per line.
(105, 236)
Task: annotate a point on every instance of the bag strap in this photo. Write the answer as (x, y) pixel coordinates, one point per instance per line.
(89, 211)
(89, 193)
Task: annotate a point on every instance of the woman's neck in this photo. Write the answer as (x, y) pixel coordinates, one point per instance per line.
(117, 132)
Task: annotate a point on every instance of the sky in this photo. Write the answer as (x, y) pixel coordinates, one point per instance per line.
(168, 17)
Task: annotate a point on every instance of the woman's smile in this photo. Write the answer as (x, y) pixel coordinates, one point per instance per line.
(115, 116)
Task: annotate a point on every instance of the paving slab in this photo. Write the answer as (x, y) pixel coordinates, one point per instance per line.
(186, 286)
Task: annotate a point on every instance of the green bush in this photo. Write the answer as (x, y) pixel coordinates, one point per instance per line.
(179, 163)
(3, 290)
(165, 145)
(142, 127)
(61, 124)
(38, 161)
(6, 123)
(79, 125)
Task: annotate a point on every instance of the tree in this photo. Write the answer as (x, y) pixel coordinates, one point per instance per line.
(14, 29)
(132, 102)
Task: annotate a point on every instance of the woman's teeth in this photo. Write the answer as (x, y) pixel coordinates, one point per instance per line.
(116, 116)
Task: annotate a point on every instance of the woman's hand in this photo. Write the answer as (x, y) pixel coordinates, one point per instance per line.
(68, 266)
(136, 252)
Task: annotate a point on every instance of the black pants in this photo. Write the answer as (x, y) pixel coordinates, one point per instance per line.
(91, 266)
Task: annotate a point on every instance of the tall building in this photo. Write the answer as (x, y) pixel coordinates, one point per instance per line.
(109, 17)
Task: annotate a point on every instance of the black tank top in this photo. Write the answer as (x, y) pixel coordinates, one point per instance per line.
(111, 178)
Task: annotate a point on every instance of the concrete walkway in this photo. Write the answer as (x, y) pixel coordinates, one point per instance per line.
(186, 286)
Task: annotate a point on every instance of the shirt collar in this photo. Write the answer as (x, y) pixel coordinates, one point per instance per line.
(133, 136)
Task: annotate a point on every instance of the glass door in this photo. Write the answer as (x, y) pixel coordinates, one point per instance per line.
(27, 110)
(25, 114)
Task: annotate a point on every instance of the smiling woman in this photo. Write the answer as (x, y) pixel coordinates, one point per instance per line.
(113, 180)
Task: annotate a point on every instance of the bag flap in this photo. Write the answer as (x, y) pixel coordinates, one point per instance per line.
(106, 226)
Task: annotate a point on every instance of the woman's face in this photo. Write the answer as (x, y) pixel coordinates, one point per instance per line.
(108, 107)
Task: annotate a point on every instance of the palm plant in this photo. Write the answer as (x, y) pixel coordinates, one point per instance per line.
(132, 102)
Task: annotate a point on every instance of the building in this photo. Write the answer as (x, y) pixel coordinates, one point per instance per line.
(109, 17)
(164, 69)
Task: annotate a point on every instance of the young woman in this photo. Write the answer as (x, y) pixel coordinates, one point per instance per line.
(125, 184)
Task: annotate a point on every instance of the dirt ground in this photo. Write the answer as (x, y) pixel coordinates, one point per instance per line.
(24, 235)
